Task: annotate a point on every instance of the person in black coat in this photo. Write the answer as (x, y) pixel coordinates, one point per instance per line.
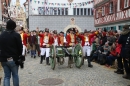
(122, 40)
(10, 52)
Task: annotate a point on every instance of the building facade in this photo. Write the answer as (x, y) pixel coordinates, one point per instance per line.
(4, 6)
(17, 13)
(0, 13)
(26, 5)
(58, 14)
(111, 14)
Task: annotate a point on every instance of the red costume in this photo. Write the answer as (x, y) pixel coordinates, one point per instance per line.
(71, 39)
(50, 41)
(24, 37)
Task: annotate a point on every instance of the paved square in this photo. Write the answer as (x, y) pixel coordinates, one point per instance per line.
(96, 76)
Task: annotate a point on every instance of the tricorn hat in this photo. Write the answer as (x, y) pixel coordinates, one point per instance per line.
(85, 31)
(46, 30)
(55, 31)
(62, 32)
(21, 29)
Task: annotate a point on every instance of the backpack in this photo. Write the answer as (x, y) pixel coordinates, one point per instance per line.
(127, 48)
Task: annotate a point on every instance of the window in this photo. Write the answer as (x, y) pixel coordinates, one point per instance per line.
(55, 11)
(126, 3)
(66, 11)
(92, 10)
(51, 11)
(88, 11)
(81, 11)
(77, 11)
(62, 11)
(111, 8)
(74, 11)
(103, 11)
(96, 13)
(85, 11)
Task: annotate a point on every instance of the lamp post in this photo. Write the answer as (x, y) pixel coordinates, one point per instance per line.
(70, 1)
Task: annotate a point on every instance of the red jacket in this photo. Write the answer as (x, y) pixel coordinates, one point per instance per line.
(58, 39)
(41, 41)
(118, 48)
(24, 40)
(82, 37)
(113, 53)
(68, 39)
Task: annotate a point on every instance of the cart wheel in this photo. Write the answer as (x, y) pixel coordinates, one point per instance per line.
(78, 58)
(52, 57)
(62, 60)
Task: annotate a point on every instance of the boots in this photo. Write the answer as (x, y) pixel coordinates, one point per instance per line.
(89, 62)
(41, 59)
(83, 60)
(47, 61)
(119, 71)
(127, 76)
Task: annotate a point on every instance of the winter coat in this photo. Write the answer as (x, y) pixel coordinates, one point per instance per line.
(10, 45)
(122, 40)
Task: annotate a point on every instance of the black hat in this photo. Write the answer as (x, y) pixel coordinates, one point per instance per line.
(40, 31)
(46, 30)
(85, 31)
(62, 32)
(11, 25)
(21, 29)
(55, 31)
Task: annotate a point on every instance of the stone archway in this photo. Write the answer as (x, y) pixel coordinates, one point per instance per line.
(72, 25)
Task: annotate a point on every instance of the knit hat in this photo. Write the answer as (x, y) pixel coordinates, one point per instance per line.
(10, 25)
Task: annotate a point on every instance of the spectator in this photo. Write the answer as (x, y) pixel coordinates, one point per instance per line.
(122, 40)
(111, 58)
(10, 50)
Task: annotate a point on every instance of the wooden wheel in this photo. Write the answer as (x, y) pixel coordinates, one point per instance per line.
(78, 57)
(53, 57)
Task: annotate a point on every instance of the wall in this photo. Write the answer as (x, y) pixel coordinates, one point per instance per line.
(60, 22)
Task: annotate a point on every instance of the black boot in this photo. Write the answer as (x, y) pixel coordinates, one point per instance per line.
(83, 60)
(47, 61)
(120, 72)
(41, 59)
(117, 71)
(127, 76)
(89, 62)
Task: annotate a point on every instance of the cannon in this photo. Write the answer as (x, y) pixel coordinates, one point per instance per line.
(58, 53)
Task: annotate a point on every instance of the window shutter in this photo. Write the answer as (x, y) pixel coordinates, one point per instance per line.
(122, 4)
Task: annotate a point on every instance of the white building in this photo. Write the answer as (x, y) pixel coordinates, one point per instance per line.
(61, 15)
(60, 7)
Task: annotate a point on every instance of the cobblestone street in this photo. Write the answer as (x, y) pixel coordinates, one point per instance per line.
(96, 76)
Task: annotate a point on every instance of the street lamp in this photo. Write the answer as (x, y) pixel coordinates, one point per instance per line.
(70, 1)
